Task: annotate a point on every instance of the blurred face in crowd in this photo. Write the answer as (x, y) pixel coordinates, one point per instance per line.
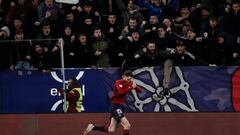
(157, 3)
(70, 17)
(153, 19)
(38, 49)
(161, 33)
(204, 13)
(220, 40)
(48, 3)
(130, 5)
(112, 19)
(68, 31)
(132, 23)
(87, 8)
(167, 22)
(151, 47)
(46, 30)
(135, 36)
(236, 7)
(83, 39)
(17, 24)
(19, 36)
(213, 23)
(97, 34)
(88, 21)
(181, 48)
(21, 2)
(35, 2)
(185, 28)
(184, 11)
(191, 35)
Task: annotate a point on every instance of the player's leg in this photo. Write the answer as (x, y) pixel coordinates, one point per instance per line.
(126, 126)
(111, 128)
(113, 125)
(88, 129)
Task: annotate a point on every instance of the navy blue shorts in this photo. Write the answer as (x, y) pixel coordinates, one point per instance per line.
(117, 112)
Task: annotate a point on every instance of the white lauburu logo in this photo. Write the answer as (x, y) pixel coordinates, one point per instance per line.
(156, 89)
(54, 91)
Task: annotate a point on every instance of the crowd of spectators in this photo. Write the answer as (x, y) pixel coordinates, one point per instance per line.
(119, 33)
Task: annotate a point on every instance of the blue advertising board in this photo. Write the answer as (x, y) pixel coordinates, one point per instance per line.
(193, 89)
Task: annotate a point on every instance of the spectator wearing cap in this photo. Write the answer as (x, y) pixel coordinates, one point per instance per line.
(182, 57)
(194, 44)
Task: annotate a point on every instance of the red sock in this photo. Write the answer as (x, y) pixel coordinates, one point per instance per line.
(125, 131)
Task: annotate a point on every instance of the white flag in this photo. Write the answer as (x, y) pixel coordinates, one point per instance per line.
(68, 1)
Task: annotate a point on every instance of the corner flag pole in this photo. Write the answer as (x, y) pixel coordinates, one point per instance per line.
(63, 75)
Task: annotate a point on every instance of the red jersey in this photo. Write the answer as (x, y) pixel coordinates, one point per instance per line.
(121, 89)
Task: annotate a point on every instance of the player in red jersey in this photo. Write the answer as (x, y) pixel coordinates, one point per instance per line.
(120, 91)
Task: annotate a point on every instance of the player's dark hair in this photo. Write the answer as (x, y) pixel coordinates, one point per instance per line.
(128, 73)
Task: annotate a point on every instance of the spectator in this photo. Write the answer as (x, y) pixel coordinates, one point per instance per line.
(101, 48)
(40, 58)
(49, 11)
(131, 10)
(150, 28)
(211, 29)
(153, 57)
(133, 44)
(155, 8)
(72, 20)
(81, 52)
(183, 57)
(68, 39)
(17, 27)
(112, 30)
(31, 19)
(20, 53)
(132, 26)
(89, 12)
(87, 27)
(231, 21)
(164, 40)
